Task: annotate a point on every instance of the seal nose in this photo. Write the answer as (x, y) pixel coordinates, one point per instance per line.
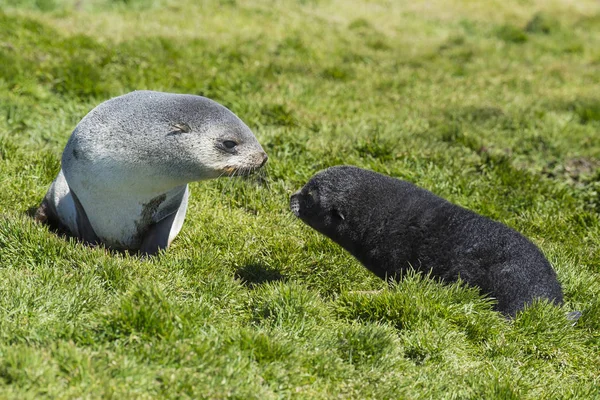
(264, 161)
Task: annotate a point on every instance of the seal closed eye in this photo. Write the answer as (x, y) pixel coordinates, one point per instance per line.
(390, 225)
(126, 167)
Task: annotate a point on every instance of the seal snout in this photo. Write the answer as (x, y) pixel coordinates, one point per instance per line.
(295, 204)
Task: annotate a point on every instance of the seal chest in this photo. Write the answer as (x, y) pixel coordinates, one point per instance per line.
(390, 225)
(127, 165)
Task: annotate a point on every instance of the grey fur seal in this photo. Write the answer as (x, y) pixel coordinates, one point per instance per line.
(126, 167)
(390, 225)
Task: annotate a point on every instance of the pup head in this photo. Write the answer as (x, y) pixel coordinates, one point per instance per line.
(334, 201)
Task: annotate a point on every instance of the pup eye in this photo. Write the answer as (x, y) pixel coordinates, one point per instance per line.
(229, 144)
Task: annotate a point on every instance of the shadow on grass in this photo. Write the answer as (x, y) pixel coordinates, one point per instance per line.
(254, 274)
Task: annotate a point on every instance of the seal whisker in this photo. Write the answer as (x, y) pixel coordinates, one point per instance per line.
(263, 185)
(230, 186)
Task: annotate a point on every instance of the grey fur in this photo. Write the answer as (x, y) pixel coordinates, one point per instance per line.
(390, 225)
(130, 159)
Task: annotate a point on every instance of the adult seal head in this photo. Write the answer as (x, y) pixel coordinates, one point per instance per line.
(390, 225)
(127, 165)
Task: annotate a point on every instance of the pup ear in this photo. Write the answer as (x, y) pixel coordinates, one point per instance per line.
(338, 214)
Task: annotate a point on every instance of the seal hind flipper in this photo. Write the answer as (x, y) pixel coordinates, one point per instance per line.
(47, 214)
(84, 228)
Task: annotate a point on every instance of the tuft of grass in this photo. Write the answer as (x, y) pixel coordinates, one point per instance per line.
(365, 344)
(512, 34)
(360, 23)
(278, 114)
(377, 147)
(285, 305)
(588, 110)
(337, 73)
(144, 312)
(543, 23)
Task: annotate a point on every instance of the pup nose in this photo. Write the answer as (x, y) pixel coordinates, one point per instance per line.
(295, 204)
(264, 161)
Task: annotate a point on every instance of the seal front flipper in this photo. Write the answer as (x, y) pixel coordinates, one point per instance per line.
(157, 237)
(84, 228)
(161, 234)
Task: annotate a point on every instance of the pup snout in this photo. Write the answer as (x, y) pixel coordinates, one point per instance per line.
(295, 204)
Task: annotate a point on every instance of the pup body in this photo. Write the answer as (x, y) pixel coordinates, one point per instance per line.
(390, 225)
(126, 167)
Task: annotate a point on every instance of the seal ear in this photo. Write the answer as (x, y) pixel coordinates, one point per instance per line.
(180, 128)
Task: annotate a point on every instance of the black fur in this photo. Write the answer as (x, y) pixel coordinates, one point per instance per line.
(390, 225)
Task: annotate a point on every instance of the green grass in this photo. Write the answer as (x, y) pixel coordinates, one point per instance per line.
(492, 105)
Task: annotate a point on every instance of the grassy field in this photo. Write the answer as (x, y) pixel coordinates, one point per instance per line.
(494, 105)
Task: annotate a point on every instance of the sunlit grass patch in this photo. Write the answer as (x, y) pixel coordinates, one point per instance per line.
(490, 105)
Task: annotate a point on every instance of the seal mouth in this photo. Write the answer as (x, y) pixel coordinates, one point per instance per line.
(295, 204)
(239, 171)
(258, 162)
(246, 170)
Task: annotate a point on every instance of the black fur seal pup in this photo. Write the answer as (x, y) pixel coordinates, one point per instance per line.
(126, 167)
(389, 225)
